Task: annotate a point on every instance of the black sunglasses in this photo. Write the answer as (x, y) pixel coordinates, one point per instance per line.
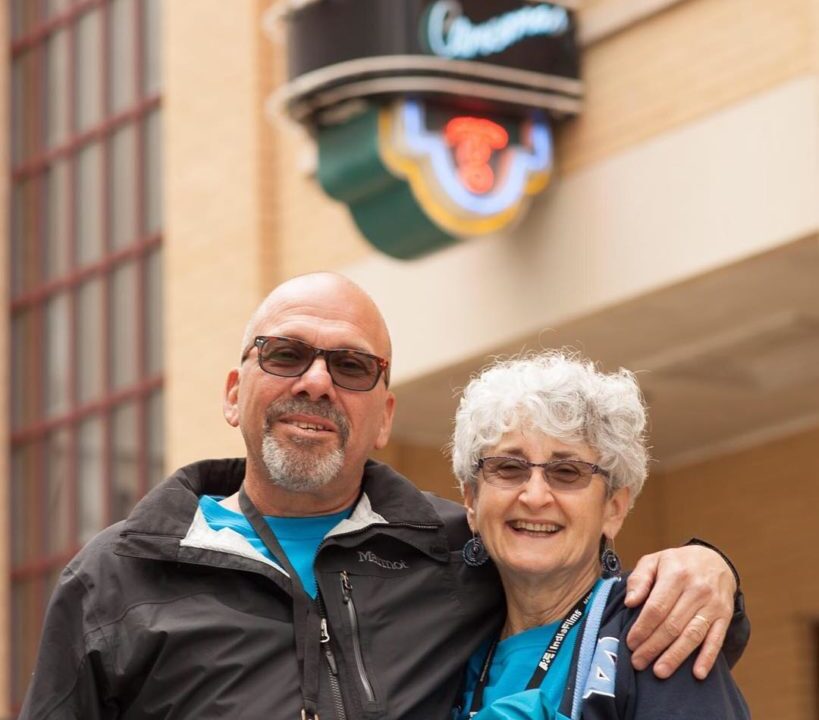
(349, 369)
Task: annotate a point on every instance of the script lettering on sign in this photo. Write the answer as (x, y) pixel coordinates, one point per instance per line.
(449, 33)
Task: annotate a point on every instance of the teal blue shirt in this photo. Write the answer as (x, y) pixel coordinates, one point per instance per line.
(299, 537)
(516, 657)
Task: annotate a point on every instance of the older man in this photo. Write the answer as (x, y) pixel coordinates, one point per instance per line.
(307, 580)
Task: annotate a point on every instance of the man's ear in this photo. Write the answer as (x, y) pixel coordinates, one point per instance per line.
(230, 401)
(386, 422)
(469, 504)
(615, 512)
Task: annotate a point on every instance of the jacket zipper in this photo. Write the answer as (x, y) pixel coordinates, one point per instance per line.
(335, 687)
(347, 595)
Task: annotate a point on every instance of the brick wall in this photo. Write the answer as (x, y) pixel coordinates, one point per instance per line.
(760, 506)
(681, 64)
(213, 277)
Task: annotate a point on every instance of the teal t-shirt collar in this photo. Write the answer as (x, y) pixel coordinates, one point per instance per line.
(299, 537)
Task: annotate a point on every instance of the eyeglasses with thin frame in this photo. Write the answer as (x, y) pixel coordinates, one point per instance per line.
(510, 472)
(349, 369)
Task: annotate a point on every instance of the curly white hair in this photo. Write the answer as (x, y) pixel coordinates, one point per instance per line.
(560, 394)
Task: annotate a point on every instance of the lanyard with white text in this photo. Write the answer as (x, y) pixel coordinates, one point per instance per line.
(306, 617)
(572, 618)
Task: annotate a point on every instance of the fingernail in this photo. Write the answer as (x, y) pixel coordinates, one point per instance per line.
(630, 595)
(639, 663)
(661, 670)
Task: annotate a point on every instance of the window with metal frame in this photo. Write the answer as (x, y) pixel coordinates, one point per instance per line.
(86, 234)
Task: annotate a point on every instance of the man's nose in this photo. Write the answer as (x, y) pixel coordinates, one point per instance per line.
(316, 382)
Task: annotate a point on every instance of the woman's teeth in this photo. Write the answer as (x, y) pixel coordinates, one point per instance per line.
(549, 528)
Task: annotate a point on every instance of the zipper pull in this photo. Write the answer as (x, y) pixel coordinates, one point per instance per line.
(328, 653)
(346, 587)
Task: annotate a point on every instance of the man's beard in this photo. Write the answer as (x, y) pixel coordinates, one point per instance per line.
(298, 464)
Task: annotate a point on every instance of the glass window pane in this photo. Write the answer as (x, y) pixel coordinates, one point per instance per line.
(122, 72)
(26, 110)
(153, 313)
(56, 230)
(88, 77)
(56, 7)
(90, 367)
(25, 406)
(152, 191)
(27, 604)
(90, 489)
(125, 460)
(26, 513)
(58, 504)
(88, 208)
(56, 357)
(24, 236)
(57, 65)
(23, 17)
(124, 187)
(123, 338)
(156, 438)
(151, 44)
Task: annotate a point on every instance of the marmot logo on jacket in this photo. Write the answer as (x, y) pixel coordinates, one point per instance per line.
(371, 557)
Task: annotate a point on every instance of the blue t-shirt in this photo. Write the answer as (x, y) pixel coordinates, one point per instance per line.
(299, 537)
(505, 695)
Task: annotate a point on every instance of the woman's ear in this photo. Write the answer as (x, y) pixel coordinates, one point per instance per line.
(615, 511)
(469, 504)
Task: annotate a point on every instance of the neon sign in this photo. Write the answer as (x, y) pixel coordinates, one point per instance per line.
(437, 129)
(474, 140)
(450, 34)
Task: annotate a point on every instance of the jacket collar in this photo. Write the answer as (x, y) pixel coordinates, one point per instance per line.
(168, 510)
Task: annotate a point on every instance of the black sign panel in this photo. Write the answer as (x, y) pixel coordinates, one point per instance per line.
(504, 52)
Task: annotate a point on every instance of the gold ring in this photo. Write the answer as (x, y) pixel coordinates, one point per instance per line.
(705, 620)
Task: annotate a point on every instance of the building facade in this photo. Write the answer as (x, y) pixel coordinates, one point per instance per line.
(156, 193)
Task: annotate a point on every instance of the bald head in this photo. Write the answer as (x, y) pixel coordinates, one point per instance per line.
(326, 293)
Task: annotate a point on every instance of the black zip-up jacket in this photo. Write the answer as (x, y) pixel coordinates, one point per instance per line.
(159, 616)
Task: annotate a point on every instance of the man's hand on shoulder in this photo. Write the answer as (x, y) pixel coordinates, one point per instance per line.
(688, 597)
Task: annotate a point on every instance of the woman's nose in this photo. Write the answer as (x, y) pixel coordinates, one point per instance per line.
(536, 491)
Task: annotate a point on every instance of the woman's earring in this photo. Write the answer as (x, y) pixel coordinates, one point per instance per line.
(609, 560)
(474, 552)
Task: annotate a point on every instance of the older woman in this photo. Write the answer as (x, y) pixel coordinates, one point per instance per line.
(550, 454)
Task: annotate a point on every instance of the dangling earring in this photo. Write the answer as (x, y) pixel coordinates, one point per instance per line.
(609, 560)
(474, 552)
